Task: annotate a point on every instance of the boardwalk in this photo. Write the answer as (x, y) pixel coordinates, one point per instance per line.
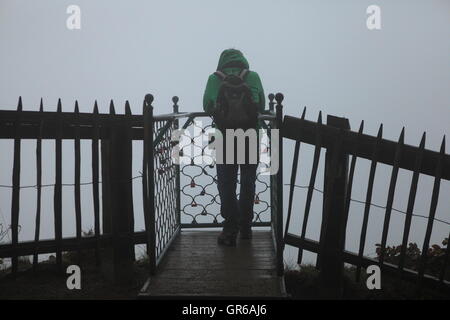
(196, 266)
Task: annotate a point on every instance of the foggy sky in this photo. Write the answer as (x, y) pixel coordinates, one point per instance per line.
(319, 54)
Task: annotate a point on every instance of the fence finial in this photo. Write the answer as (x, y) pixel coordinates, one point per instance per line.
(19, 104)
(175, 104)
(304, 113)
(380, 132)
(422, 141)
(148, 99)
(77, 110)
(402, 136)
(111, 107)
(95, 107)
(319, 121)
(361, 127)
(443, 145)
(271, 103)
(279, 97)
(41, 105)
(59, 107)
(127, 108)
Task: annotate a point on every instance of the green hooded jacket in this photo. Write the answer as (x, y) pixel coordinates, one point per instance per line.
(232, 61)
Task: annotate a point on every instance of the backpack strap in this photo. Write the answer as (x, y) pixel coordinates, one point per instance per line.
(243, 73)
(220, 74)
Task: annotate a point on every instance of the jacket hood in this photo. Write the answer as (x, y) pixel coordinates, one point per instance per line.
(232, 58)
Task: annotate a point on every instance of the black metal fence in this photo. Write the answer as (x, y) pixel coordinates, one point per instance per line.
(200, 202)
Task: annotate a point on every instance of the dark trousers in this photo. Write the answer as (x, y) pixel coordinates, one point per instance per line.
(236, 212)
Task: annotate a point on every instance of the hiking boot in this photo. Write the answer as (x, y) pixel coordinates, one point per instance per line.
(227, 239)
(245, 232)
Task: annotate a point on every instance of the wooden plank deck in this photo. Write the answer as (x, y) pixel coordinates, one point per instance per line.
(196, 266)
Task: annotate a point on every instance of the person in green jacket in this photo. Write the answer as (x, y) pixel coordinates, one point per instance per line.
(237, 214)
(232, 61)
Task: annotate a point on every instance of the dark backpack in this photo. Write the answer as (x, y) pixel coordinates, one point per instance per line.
(234, 106)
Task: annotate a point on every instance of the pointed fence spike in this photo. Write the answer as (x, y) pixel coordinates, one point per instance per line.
(443, 145)
(320, 118)
(401, 139)
(41, 105)
(422, 141)
(19, 104)
(361, 127)
(77, 109)
(127, 108)
(304, 113)
(111, 107)
(59, 107)
(95, 107)
(380, 132)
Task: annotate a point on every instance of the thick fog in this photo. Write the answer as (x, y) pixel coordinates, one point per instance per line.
(319, 54)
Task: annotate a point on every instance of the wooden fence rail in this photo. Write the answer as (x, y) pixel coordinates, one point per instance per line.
(113, 133)
(111, 136)
(340, 142)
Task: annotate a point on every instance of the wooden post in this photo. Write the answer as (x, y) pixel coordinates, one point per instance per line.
(57, 193)
(312, 182)
(38, 186)
(333, 221)
(279, 218)
(15, 199)
(150, 178)
(117, 259)
(431, 215)
(95, 183)
(293, 178)
(373, 167)
(77, 178)
(105, 178)
(126, 129)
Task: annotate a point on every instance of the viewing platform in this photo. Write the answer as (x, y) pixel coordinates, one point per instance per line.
(195, 265)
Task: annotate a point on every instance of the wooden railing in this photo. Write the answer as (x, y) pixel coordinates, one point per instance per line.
(340, 143)
(111, 136)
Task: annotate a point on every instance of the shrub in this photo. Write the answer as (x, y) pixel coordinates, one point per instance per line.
(435, 257)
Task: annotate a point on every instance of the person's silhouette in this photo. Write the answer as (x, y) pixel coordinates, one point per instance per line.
(237, 214)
